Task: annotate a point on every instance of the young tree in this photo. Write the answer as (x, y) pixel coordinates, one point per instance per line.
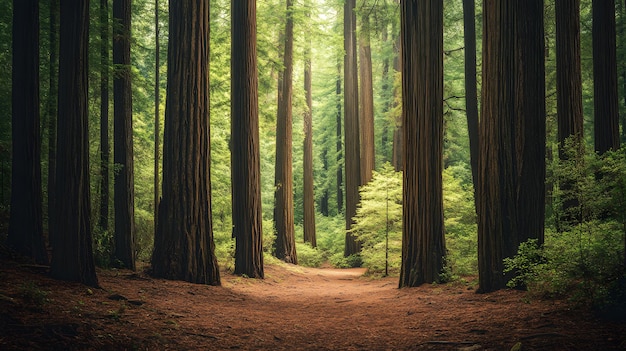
(26, 222)
(352, 156)
(103, 220)
(605, 105)
(184, 247)
(309, 196)
(72, 255)
(366, 115)
(285, 244)
(339, 141)
(245, 154)
(423, 245)
(123, 137)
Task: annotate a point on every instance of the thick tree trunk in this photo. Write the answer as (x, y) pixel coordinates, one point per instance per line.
(245, 153)
(423, 245)
(184, 247)
(351, 125)
(605, 105)
(285, 244)
(124, 199)
(366, 115)
(103, 220)
(72, 255)
(471, 94)
(26, 222)
(309, 196)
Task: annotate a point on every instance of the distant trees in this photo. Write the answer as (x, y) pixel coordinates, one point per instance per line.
(308, 194)
(105, 63)
(423, 245)
(183, 246)
(26, 222)
(245, 158)
(72, 255)
(285, 244)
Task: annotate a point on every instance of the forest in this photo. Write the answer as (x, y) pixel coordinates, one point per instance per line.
(248, 148)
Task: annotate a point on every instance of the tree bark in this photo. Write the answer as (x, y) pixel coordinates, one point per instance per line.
(308, 193)
(103, 220)
(124, 199)
(352, 157)
(471, 93)
(26, 222)
(605, 104)
(184, 247)
(157, 112)
(52, 114)
(423, 245)
(245, 153)
(339, 142)
(366, 116)
(285, 244)
(72, 255)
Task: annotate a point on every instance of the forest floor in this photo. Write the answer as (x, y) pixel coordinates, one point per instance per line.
(293, 308)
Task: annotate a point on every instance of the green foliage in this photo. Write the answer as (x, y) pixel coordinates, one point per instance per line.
(32, 294)
(102, 247)
(309, 256)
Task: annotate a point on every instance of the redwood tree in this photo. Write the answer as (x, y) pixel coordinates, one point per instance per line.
(366, 115)
(103, 220)
(26, 222)
(308, 194)
(352, 156)
(72, 254)
(124, 199)
(52, 113)
(471, 94)
(183, 245)
(285, 244)
(423, 245)
(245, 154)
(605, 100)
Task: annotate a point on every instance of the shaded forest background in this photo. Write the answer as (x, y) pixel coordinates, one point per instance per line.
(594, 245)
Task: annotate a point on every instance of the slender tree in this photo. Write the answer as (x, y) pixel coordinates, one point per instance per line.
(72, 254)
(103, 220)
(245, 153)
(471, 93)
(397, 151)
(124, 199)
(52, 113)
(605, 104)
(308, 194)
(285, 244)
(26, 222)
(423, 245)
(568, 86)
(352, 157)
(184, 247)
(157, 110)
(366, 91)
(339, 141)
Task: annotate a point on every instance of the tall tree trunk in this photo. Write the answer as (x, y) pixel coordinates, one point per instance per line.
(184, 247)
(124, 199)
(423, 245)
(397, 152)
(530, 128)
(387, 92)
(245, 153)
(605, 105)
(339, 142)
(309, 196)
(352, 157)
(471, 93)
(511, 179)
(26, 222)
(72, 255)
(157, 112)
(52, 114)
(568, 90)
(285, 244)
(103, 220)
(366, 116)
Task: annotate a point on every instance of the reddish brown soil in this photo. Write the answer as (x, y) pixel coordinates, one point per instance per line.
(294, 308)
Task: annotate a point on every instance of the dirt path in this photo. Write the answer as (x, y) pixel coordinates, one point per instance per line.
(294, 308)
